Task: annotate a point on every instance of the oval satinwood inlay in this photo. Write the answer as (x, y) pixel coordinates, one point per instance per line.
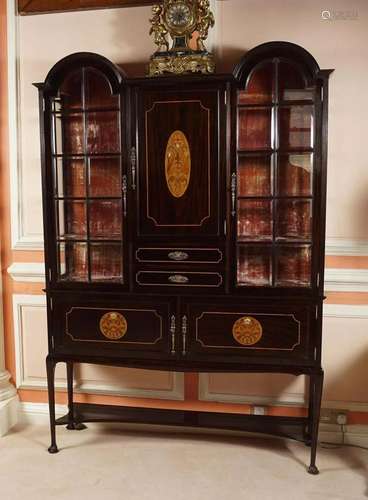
(177, 164)
(113, 325)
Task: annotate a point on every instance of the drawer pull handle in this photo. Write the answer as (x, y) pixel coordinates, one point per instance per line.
(233, 193)
(184, 329)
(172, 331)
(177, 256)
(178, 278)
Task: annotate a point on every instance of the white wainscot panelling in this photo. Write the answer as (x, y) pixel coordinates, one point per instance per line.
(345, 361)
(346, 247)
(22, 238)
(31, 348)
(27, 271)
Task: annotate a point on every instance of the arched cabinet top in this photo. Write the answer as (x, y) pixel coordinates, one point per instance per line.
(288, 53)
(74, 63)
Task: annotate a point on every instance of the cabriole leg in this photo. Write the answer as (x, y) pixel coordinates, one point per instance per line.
(308, 430)
(315, 406)
(72, 425)
(50, 368)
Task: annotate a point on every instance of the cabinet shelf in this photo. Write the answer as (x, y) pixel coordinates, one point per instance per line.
(270, 151)
(79, 111)
(79, 156)
(275, 104)
(275, 197)
(87, 198)
(291, 427)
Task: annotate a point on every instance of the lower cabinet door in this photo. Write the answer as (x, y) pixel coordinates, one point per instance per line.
(231, 332)
(113, 327)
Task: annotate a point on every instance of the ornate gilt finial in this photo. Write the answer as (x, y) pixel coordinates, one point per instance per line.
(180, 19)
(206, 20)
(158, 28)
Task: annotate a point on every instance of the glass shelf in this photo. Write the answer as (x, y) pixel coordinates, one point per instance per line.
(254, 176)
(293, 266)
(254, 265)
(294, 220)
(255, 220)
(254, 128)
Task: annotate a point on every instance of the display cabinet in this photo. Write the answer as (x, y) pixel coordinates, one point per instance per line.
(184, 227)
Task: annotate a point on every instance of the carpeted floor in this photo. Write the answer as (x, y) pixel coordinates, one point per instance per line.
(108, 462)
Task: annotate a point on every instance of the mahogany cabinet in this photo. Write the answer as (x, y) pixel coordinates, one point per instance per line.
(184, 222)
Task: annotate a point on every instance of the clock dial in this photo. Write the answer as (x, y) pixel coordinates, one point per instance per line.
(178, 15)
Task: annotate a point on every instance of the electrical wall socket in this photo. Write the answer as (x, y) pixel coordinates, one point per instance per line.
(259, 410)
(334, 416)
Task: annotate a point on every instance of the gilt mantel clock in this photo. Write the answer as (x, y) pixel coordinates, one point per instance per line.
(184, 222)
(180, 19)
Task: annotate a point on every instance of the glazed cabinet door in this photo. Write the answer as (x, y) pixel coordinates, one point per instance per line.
(242, 331)
(180, 183)
(86, 196)
(113, 327)
(275, 184)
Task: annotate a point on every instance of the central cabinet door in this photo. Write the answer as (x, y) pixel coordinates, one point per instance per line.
(179, 134)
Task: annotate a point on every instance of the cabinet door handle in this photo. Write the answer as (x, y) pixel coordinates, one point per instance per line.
(184, 329)
(172, 331)
(133, 165)
(124, 189)
(233, 193)
(178, 256)
(178, 278)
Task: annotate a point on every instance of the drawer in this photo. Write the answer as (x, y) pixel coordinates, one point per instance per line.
(180, 255)
(179, 279)
(236, 331)
(112, 327)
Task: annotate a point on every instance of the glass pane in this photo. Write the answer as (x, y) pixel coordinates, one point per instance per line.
(295, 174)
(292, 84)
(72, 219)
(294, 219)
(105, 177)
(71, 178)
(294, 266)
(69, 134)
(254, 128)
(296, 127)
(103, 134)
(259, 88)
(98, 91)
(106, 261)
(105, 219)
(254, 265)
(73, 261)
(254, 176)
(70, 92)
(254, 220)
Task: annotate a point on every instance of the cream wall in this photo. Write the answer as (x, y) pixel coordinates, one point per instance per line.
(122, 36)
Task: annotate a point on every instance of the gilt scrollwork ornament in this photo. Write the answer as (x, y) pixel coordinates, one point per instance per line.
(158, 29)
(206, 20)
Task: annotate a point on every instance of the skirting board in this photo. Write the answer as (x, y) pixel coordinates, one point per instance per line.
(38, 414)
(9, 413)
